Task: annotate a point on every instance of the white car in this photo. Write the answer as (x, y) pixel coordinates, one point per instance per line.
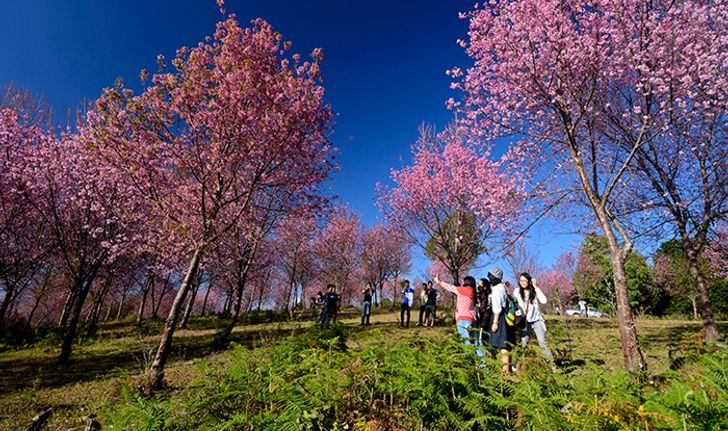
(591, 312)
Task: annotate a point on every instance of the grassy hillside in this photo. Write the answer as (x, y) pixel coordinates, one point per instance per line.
(287, 375)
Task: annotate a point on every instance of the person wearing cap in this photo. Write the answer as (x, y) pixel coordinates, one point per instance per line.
(502, 336)
(464, 310)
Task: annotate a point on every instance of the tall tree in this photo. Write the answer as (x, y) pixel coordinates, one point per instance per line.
(450, 200)
(564, 77)
(338, 253)
(522, 258)
(91, 218)
(557, 281)
(672, 269)
(294, 247)
(386, 253)
(683, 170)
(236, 119)
(23, 240)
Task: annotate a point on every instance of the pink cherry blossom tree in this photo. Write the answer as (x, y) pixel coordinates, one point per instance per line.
(557, 281)
(682, 169)
(22, 238)
(294, 248)
(386, 254)
(451, 200)
(235, 120)
(672, 269)
(91, 218)
(584, 86)
(338, 250)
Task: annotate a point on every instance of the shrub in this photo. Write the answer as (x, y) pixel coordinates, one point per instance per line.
(316, 381)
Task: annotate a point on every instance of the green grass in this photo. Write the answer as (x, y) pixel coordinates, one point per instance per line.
(287, 375)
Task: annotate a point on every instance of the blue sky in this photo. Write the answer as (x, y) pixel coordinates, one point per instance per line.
(385, 64)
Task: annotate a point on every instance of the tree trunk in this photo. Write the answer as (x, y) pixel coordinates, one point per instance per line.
(249, 304)
(66, 309)
(694, 301)
(162, 294)
(190, 304)
(227, 308)
(706, 306)
(96, 309)
(289, 310)
(93, 319)
(108, 312)
(70, 334)
(145, 293)
(395, 290)
(33, 310)
(260, 297)
(156, 373)
(204, 301)
(9, 290)
(222, 339)
(455, 274)
(631, 352)
(94, 298)
(121, 304)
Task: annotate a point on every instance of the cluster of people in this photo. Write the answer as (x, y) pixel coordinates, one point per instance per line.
(489, 312)
(428, 304)
(493, 309)
(329, 303)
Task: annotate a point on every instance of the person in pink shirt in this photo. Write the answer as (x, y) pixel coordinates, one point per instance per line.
(464, 310)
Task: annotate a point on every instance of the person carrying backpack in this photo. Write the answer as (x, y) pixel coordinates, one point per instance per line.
(529, 295)
(502, 329)
(465, 311)
(331, 305)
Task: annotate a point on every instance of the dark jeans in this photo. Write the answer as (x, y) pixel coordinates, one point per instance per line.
(405, 308)
(422, 313)
(328, 316)
(366, 311)
(430, 311)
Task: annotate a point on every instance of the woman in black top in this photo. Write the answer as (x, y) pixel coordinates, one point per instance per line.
(484, 313)
(430, 306)
(366, 306)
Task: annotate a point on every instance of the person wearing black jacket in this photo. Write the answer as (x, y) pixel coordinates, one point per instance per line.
(366, 305)
(483, 310)
(331, 306)
(430, 306)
